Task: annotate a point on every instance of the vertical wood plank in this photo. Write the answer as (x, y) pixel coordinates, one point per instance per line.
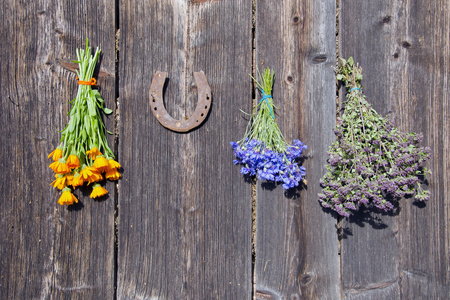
(296, 242)
(369, 248)
(184, 211)
(421, 90)
(403, 48)
(84, 267)
(49, 251)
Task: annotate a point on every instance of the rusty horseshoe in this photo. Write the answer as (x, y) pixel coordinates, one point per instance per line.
(160, 112)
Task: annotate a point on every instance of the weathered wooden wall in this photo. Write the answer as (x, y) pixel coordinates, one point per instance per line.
(178, 225)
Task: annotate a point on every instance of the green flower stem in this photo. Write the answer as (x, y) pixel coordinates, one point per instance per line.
(264, 127)
(85, 129)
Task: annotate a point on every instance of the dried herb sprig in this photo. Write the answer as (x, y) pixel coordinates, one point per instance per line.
(263, 151)
(371, 162)
(78, 160)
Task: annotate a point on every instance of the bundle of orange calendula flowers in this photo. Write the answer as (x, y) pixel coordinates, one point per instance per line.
(78, 159)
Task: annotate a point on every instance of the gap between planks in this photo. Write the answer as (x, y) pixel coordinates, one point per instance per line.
(116, 146)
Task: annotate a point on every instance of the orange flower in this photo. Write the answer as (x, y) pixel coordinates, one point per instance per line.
(90, 174)
(112, 165)
(67, 197)
(73, 162)
(59, 182)
(98, 191)
(95, 178)
(69, 179)
(93, 153)
(53, 165)
(100, 163)
(57, 154)
(59, 166)
(62, 167)
(77, 180)
(112, 174)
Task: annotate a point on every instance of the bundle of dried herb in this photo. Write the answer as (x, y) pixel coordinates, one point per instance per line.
(78, 160)
(371, 162)
(263, 151)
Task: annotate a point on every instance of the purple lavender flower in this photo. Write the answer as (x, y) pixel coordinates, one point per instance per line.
(350, 205)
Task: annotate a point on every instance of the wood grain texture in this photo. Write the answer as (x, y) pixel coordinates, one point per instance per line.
(369, 248)
(422, 103)
(184, 210)
(184, 221)
(49, 251)
(403, 48)
(296, 242)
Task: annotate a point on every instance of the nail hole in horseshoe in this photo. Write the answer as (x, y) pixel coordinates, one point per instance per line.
(155, 108)
(207, 97)
(206, 106)
(202, 115)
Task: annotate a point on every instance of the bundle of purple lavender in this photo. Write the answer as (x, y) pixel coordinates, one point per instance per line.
(371, 162)
(264, 151)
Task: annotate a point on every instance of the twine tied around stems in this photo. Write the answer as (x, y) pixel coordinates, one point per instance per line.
(91, 81)
(265, 97)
